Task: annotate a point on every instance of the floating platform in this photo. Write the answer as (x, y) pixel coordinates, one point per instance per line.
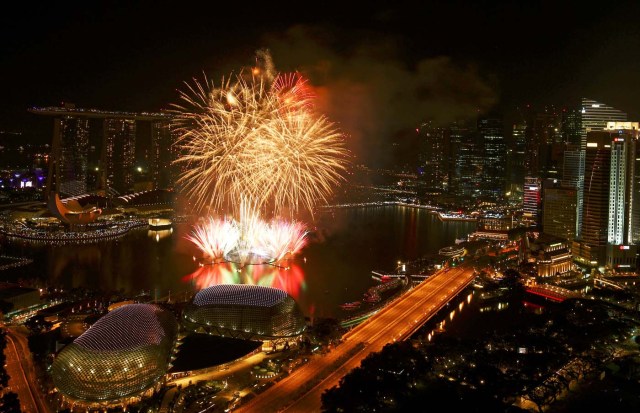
(160, 223)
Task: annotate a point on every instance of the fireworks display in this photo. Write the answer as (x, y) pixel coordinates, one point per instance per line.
(250, 148)
(290, 279)
(259, 140)
(293, 91)
(216, 238)
(251, 241)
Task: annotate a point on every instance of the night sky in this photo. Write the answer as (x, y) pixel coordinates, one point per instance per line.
(376, 68)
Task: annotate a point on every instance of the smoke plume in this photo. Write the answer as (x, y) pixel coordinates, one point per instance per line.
(372, 93)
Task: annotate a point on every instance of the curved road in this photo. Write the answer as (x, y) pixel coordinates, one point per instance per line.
(301, 390)
(22, 373)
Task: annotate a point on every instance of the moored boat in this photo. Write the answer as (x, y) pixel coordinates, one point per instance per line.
(350, 306)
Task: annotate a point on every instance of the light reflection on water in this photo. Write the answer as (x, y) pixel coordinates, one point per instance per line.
(334, 268)
(289, 278)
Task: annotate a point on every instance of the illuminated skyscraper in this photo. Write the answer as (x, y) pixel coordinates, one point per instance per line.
(119, 154)
(161, 155)
(532, 201)
(573, 177)
(559, 210)
(548, 138)
(572, 127)
(465, 160)
(593, 234)
(517, 160)
(544, 141)
(611, 215)
(591, 116)
(595, 116)
(623, 195)
(433, 156)
(491, 131)
(68, 171)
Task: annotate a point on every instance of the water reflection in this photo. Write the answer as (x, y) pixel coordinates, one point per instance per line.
(335, 267)
(533, 307)
(497, 306)
(289, 278)
(440, 326)
(158, 235)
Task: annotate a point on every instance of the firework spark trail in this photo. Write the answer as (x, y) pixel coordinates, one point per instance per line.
(250, 147)
(217, 139)
(216, 238)
(293, 91)
(252, 229)
(304, 171)
(282, 239)
(290, 279)
(251, 240)
(247, 139)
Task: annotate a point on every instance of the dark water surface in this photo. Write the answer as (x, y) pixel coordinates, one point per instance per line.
(335, 267)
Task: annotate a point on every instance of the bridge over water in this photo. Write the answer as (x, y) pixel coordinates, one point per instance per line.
(552, 292)
(301, 390)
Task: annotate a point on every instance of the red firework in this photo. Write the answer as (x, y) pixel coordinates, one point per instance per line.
(293, 90)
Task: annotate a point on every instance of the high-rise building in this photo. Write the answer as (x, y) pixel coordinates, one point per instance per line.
(491, 132)
(621, 189)
(559, 209)
(531, 200)
(68, 170)
(544, 142)
(572, 127)
(590, 249)
(517, 160)
(162, 155)
(610, 214)
(594, 117)
(526, 120)
(465, 163)
(119, 154)
(573, 177)
(623, 195)
(433, 157)
(591, 116)
(547, 142)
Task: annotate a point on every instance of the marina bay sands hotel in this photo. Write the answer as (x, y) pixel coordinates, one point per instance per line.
(69, 171)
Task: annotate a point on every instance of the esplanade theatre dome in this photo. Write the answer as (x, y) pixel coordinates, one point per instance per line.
(244, 311)
(123, 354)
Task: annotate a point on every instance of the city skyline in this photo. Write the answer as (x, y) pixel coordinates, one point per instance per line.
(412, 65)
(319, 207)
